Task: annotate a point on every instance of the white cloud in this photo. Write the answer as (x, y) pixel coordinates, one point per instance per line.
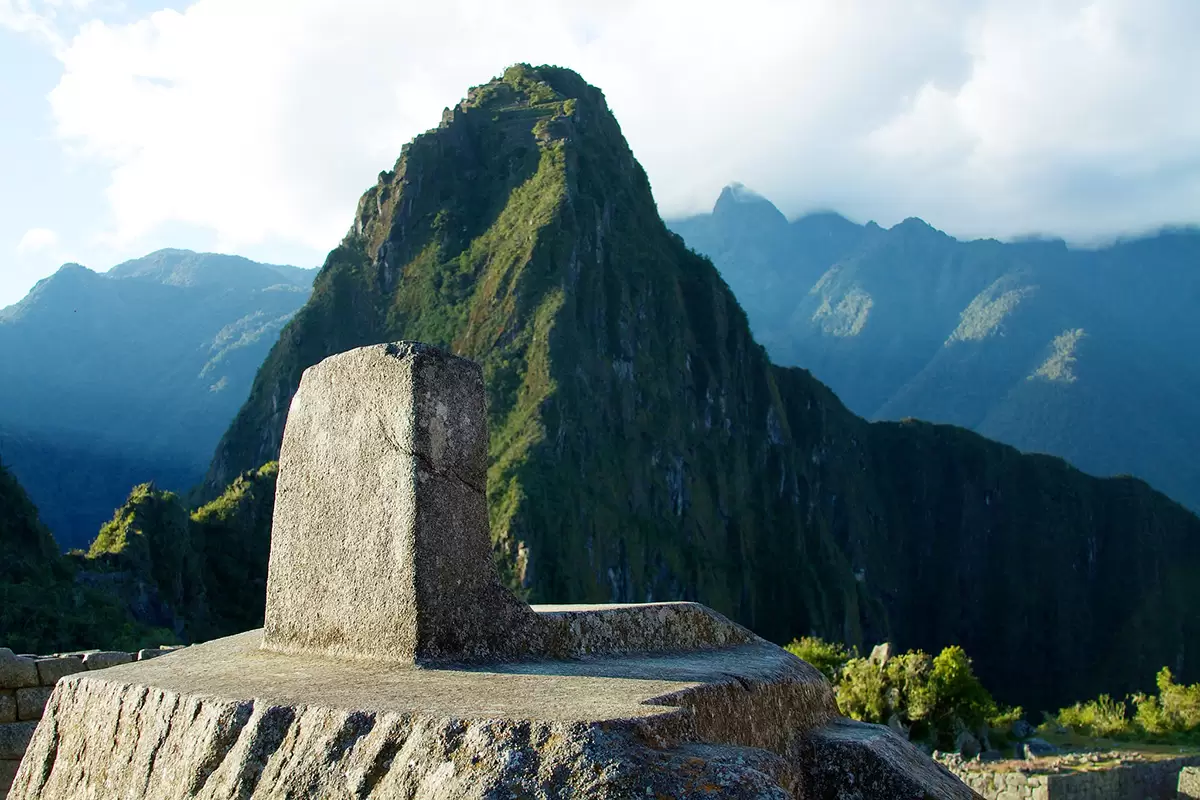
(37, 241)
(30, 17)
(263, 120)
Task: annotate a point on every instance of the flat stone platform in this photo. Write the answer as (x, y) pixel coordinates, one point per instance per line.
(608, 690)
(231, 719)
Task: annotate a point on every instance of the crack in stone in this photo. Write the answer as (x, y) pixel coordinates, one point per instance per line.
(425, 461)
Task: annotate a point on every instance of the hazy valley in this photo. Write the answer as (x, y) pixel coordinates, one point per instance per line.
(112, 379)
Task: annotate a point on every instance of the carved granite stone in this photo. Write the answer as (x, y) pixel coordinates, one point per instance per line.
(376, 549)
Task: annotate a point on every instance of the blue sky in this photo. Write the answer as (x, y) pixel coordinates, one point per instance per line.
(252, 126)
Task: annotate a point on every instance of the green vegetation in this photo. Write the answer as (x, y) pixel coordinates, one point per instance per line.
(201, 574)
(830, 658)
(1173, 715)
(1102, 718)
(44, 607)
(232, 551)
(935, 699)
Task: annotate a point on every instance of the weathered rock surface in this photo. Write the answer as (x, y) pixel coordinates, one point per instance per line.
(103, 659)
(392, 559)
(1189, 783)
(229, 719)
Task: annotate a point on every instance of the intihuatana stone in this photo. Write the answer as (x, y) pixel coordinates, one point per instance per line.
(387, 561)
(394, 664)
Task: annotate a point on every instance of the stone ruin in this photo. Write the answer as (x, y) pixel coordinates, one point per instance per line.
(394, 664)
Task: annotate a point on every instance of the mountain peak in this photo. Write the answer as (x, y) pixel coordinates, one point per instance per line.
(738, 194)
(737, 203)
(176, 267)
(72, 269)
(914, 224)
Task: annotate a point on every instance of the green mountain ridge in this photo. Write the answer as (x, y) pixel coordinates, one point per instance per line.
(44, 607)
(113, 379)
(155, 574)
(644, 448)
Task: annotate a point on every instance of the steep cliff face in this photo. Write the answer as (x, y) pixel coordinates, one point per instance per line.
(28, 547)
(644, 448)
(1080, 353)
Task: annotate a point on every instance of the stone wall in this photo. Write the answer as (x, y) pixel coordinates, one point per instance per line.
(1142, 780)
(25, 685)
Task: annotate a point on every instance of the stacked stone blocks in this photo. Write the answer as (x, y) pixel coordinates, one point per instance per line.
(1144, 780)
(26, 683)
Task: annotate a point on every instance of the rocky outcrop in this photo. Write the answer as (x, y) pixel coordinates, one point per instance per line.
(1189, 783)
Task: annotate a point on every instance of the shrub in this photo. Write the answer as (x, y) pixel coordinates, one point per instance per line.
(958, 692)
(1171, 715)
(828, 657)
(1175, 712)
(935, 698)
(1103, 717)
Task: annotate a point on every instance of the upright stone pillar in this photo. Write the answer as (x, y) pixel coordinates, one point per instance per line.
(380, 547)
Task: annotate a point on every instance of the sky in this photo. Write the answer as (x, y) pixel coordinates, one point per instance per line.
(252, 126)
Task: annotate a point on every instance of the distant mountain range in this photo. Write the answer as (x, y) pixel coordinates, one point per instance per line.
(115, 378)
(1087, 354)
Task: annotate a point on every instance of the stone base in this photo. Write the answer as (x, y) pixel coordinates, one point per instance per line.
(228, 719)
